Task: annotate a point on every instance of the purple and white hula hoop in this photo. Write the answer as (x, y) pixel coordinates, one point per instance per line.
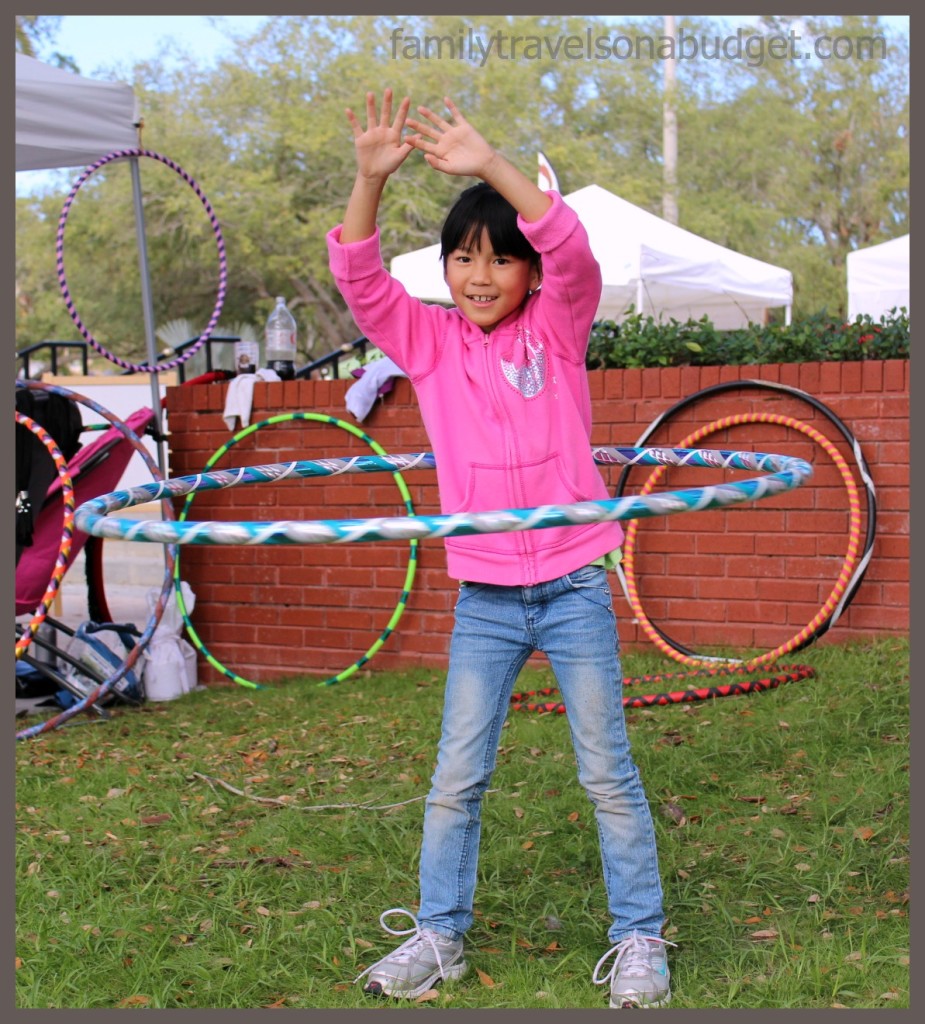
(62, 279)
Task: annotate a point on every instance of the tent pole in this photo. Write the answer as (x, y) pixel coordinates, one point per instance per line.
(787, 314)
(148, 309)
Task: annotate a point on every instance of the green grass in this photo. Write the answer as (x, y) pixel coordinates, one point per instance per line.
(782, 821)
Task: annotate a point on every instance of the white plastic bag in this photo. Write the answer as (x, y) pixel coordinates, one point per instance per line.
(170, 670)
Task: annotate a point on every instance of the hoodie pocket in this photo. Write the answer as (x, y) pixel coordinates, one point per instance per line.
(527, 485)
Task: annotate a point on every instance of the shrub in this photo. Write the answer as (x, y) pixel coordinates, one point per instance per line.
(643, 342)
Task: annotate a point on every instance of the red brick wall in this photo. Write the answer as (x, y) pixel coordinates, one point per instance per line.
(752, 576)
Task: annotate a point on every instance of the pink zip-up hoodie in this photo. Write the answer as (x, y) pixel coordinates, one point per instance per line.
(508, 413)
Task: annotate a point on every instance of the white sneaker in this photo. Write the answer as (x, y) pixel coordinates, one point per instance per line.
(417, 964)
(639, 974)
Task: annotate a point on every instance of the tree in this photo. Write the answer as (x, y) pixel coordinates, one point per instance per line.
(801, 161)
(35, 32)
(793, 162)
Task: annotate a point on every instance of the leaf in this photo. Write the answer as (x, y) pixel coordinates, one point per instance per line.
(673, 812)
(134, 1001)
(485, 979)
(864, 833)
(764, 936)
(428, 996)
(155, 819)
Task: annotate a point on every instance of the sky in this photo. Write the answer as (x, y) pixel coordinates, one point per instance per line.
(101, 44)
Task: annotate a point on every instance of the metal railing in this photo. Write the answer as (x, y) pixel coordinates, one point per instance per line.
(54, 348)
(328, 366)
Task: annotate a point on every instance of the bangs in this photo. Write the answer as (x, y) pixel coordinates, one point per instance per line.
(480, 208)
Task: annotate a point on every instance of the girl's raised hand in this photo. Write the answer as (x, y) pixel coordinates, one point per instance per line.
(380, 150)
(452, 148)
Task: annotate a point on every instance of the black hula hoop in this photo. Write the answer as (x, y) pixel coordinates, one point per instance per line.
(863, 471)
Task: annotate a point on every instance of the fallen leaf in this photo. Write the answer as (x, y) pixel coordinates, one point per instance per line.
(135, 1001)
(427, 996)
(751, 799)
(763, 936)
(864, 833)
(485, 979)
(528, 845)
(673, 812)
(155, 819)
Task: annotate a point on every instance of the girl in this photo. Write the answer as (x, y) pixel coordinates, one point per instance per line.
(503, 392)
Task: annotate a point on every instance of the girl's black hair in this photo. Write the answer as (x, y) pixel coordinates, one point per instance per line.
(480, 207)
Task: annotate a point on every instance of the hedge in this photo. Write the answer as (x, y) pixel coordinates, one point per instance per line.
(640, 342)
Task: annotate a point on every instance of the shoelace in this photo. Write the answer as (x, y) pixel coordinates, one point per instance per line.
(632, 956)
(407, 949)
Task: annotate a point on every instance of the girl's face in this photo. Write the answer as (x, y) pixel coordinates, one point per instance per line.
(487, 287)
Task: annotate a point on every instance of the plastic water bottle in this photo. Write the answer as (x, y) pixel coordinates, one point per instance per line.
(280, 341)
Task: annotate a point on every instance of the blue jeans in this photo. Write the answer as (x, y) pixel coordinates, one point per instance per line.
(497, 628)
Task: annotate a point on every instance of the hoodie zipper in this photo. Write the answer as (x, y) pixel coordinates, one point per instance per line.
(524, 555)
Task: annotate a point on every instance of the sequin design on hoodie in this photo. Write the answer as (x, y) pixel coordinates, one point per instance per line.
(526, 371)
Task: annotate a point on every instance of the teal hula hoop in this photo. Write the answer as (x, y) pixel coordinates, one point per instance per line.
(787, 473)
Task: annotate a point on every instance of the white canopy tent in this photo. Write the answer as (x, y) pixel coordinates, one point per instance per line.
(66, 120)
(878, 279)
(654, 267)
